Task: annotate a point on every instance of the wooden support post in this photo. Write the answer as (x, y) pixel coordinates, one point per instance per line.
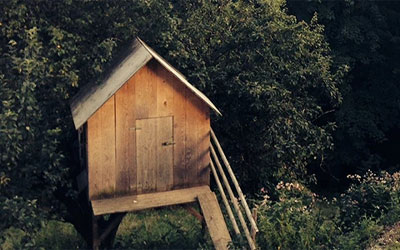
(82, 180)
(115, 222)
(235, 182)
(95, 233)
(225, 200)
(233, 199)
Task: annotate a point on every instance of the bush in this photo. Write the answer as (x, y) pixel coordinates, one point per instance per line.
(371, 196)
(299, 219)
(13, 238)
(365, 231)
(20, 218)
(52, 235)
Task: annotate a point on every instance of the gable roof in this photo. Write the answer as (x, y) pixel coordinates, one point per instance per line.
(90, 98)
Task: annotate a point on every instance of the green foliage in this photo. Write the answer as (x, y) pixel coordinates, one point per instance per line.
(390, 239)
(14, 238)
(48, 48)
(371, 196)
(58, 236)
(270, 75)
(52, 235)
(172, 228)
(20, 218)
(299, 219)
(360, 237)
(31, 160)
(365, 36)
(20, 213)
(282, 89)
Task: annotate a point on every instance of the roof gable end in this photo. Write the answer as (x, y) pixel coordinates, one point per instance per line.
(90, 98)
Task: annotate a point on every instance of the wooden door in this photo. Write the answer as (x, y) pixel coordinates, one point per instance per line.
(154, 154)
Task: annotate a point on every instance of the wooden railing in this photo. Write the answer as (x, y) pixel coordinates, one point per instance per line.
(218, 171)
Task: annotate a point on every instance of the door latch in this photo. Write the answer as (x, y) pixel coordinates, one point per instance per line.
(168, 143)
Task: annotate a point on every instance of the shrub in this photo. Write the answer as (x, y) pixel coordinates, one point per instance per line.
(371, 196)
(13, 238)
(298, 220)
(366, 230)
(51, 235)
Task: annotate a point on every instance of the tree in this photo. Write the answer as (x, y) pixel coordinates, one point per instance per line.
(365, 36)
(271, 76)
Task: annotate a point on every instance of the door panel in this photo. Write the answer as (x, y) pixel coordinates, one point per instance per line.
(154, 150)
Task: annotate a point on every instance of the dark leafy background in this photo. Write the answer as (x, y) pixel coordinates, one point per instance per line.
(308, 90)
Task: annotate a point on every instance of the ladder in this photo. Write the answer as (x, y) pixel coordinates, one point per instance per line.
(218, 171)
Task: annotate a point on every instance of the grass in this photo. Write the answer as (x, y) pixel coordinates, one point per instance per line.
(55, 235)
(167, 228)
(59, 235)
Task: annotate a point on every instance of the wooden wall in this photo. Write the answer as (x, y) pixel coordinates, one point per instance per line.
(126, 120)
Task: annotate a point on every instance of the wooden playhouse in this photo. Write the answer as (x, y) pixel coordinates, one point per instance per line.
(145, 140)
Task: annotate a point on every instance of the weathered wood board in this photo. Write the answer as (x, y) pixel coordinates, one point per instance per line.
(87, 101)
(125, 138)
(215, 220)
(154, 152)
(145, 201)
(101, 150)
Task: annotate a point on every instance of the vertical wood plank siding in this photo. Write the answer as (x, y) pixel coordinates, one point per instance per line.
(101, 150)
(112, 154)
(125, 138)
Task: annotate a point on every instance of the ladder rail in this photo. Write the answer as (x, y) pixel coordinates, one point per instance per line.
(233, 200)
(225, 200)
(235, 182)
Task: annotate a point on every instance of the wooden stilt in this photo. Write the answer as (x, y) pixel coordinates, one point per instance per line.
(115, 222)
(95, 233)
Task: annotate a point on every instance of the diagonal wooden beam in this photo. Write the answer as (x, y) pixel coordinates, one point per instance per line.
(112, 224)
(215, 220)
